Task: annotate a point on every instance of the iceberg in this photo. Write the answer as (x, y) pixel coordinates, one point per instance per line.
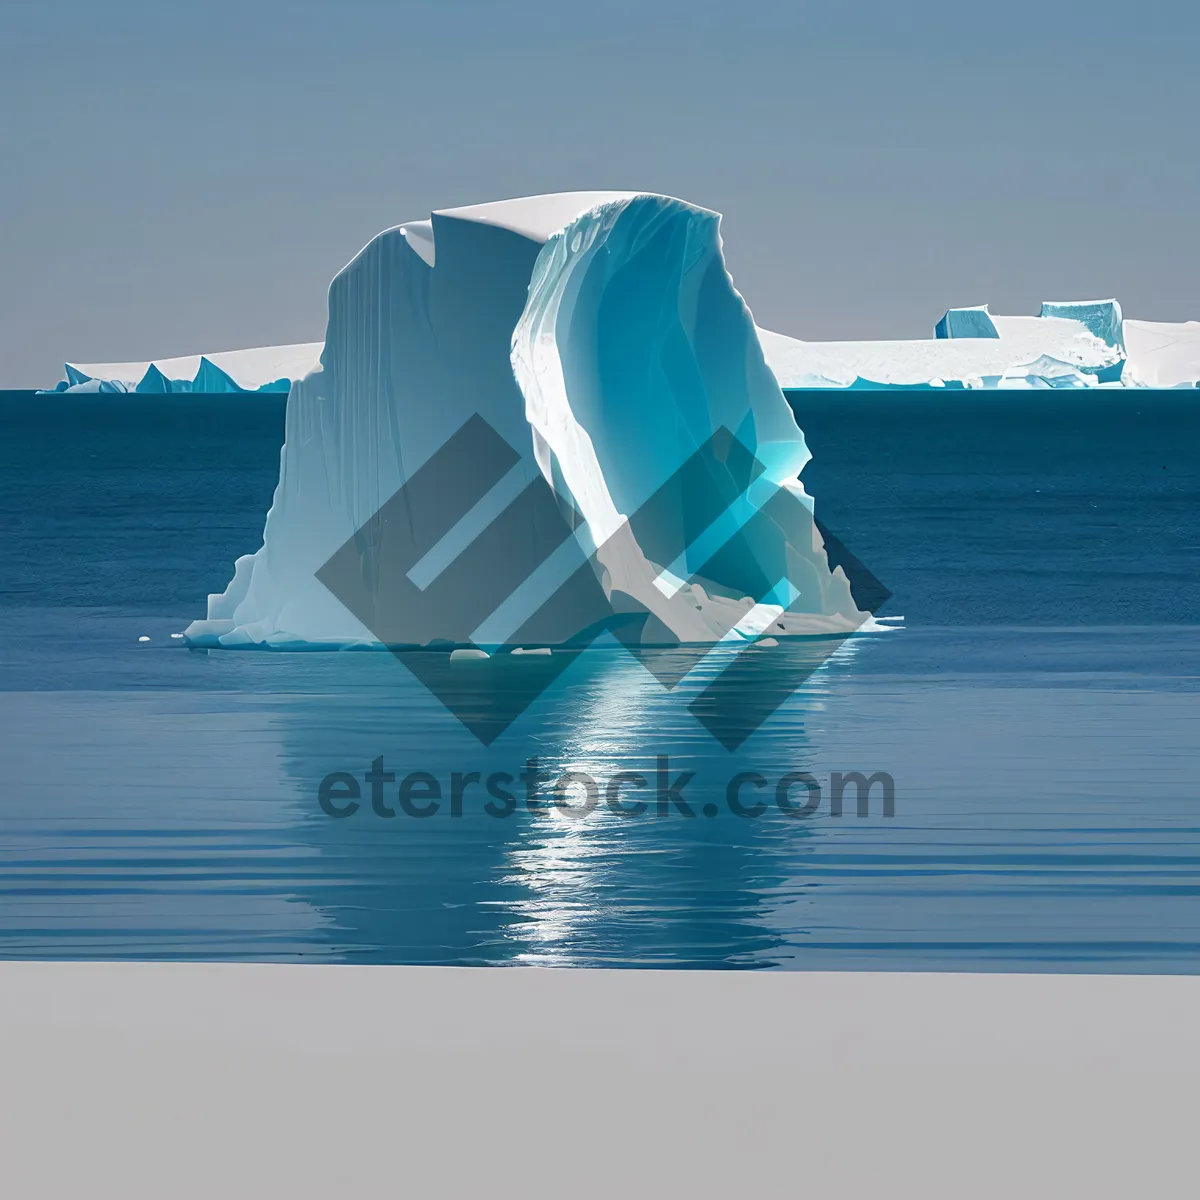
(568, 364)
(262, 369)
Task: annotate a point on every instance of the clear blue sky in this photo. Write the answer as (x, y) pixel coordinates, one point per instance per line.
(180, 177)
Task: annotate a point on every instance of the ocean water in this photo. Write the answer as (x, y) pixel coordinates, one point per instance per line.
(1036, 716)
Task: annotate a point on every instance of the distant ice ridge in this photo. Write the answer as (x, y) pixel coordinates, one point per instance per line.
(973, 348)
(263, 369)
(1072, 344)
(600, 335)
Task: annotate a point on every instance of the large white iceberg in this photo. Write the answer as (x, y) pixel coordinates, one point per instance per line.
(599, 335)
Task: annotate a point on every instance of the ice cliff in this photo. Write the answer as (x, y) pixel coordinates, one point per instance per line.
(600, 337)
(1101, 318)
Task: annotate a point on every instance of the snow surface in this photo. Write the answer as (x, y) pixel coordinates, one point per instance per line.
(601, 336)
(536, 217)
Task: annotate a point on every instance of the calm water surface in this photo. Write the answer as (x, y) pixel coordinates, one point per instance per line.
(1038, 714)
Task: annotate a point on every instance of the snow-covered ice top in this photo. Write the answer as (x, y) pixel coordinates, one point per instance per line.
(535, 217)
(600, 336)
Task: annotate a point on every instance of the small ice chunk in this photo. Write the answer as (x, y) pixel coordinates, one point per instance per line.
(534, 650)
(143, 638)
(766, 642)
(466, 653)
(177, 635)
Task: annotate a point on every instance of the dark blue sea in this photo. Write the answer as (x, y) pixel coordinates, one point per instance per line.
(1037, 716)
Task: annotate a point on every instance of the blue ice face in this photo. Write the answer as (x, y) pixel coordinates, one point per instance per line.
(966, 323)
(657, 351)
